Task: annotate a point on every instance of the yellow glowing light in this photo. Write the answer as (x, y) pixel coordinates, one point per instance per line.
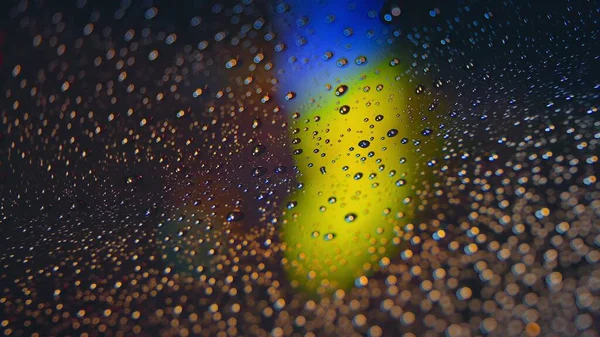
(362, 174)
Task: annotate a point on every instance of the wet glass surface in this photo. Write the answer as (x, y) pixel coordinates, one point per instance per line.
(299, 168)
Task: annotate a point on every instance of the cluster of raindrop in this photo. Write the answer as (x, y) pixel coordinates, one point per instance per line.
(154, 160)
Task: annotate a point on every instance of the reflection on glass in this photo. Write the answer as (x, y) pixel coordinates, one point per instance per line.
(299, 168)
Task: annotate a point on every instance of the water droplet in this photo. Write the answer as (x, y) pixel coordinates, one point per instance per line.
(433, 105)
(341, 90)
(290, 95)
(350, 217)
(342, 62)
(360, 60)
(329, 236)
(420, 89)
(235, 216)
(259, 171)
(258, 150)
